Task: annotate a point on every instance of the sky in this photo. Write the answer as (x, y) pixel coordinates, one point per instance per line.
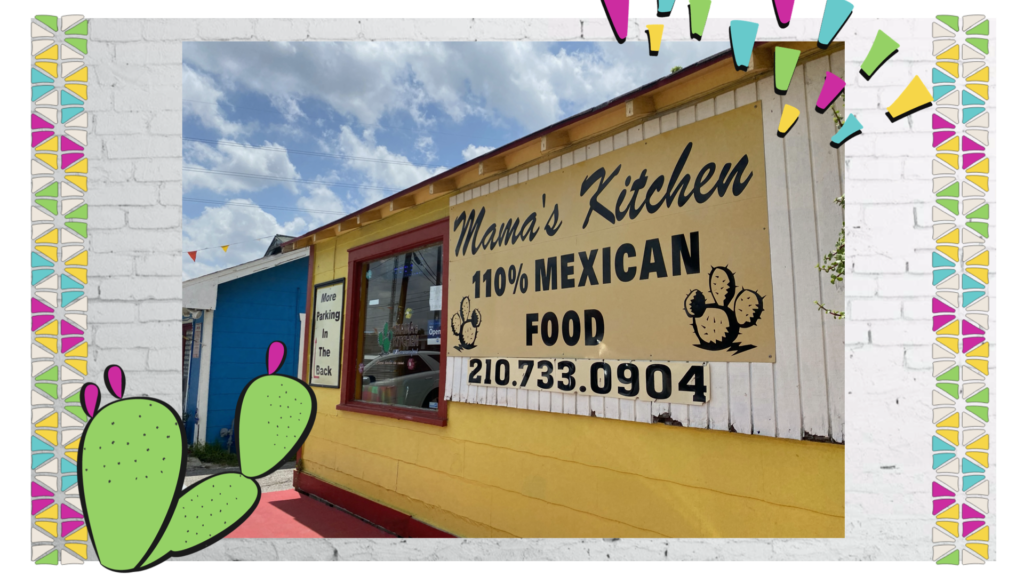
(281, 138)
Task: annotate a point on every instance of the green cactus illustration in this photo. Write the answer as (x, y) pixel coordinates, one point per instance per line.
(716, 324)
(131, 464)
(465, 325)
(384, 338)
(132, 467)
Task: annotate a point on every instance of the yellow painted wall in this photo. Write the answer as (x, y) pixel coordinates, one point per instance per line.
(504, 472)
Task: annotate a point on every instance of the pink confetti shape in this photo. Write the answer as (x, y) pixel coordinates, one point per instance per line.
(68, 145)
(617, 12)
(69, 159)
(784, 11)
(940, 137)
(971, 145)
(38, 307)
(275, 356)
(67, 328)
(940, 307)
(90, 398)
(114, 378)
(40, 505)
(69, 527)
(940, 505)
(970, 329)
(67, 512)
(38, 123)
(38, 490)
(938, 123)
(972, 159)
(69, 343)
(940, 321)
(830, 90)
(940, 491)
(972, 343)
(40, 137)
(40, 321)
(969, 512)
(972, 527)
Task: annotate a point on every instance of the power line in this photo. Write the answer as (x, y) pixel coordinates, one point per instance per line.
(310, 153)
(301, 180)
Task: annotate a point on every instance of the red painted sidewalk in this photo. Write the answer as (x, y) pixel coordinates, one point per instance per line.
(288, 514)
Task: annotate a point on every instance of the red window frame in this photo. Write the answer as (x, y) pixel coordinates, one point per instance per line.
(357, 257)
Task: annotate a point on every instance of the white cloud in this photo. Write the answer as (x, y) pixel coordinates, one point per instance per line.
(472, 151)
(237, 226)
(228, 157)
(525, 81)
(425, 146)
(201, 98)
(383, 169)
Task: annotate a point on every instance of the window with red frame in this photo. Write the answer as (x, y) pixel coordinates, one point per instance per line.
(394, 351)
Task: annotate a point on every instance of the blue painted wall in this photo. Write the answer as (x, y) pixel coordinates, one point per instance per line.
(251, 313)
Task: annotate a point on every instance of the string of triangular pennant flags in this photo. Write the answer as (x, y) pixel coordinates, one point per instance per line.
(194, 253)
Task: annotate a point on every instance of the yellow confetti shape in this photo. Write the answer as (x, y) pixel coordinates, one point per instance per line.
(980, 89)
(79, 549)
(981, 181)
(951, 513)
(79, 89)
(72, 455)
(82, 534)
(48, 146)
(951, 159)
(80, 351)
(951, 145)
(48, 67)
(49, 422)
(914, 96)
(952, 435)
(951, 343)
(789, 117)
(50, 513)
(980, 365)
(951, 54)
(48, 159)
(80, 181)
(951, 329)
(951, 422)
(979, 273)
(951, 527)
(81, 259)
(980, 351)
(80, 273)
(81, 75)
(50, 54)
(979, 457)
(49, 343)
(979, 444)
(74, 445)
(79, 365)
(980, 76)
(49, 251)
(980, 535)
(950, 68)
(50, 527)
(50, 329)
(951, 238)
(981, 167)
(654, 32)
(80, 167)
(979, 260)
(49, 435)
(981, 549)
(951, 252)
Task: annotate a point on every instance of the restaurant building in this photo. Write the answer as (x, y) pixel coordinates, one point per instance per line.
(607, 328)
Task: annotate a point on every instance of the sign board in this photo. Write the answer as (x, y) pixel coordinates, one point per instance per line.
(325, 333)
(657, 251)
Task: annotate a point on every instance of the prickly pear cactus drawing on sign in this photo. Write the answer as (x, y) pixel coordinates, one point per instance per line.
(717, 323)
(465, 324)
(132, 467)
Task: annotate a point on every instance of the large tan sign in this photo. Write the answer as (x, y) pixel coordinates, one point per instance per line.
(657, 251)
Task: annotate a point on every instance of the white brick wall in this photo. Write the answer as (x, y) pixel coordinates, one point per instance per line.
(135, 102)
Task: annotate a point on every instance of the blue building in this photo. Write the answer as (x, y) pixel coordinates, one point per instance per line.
(235, 314)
